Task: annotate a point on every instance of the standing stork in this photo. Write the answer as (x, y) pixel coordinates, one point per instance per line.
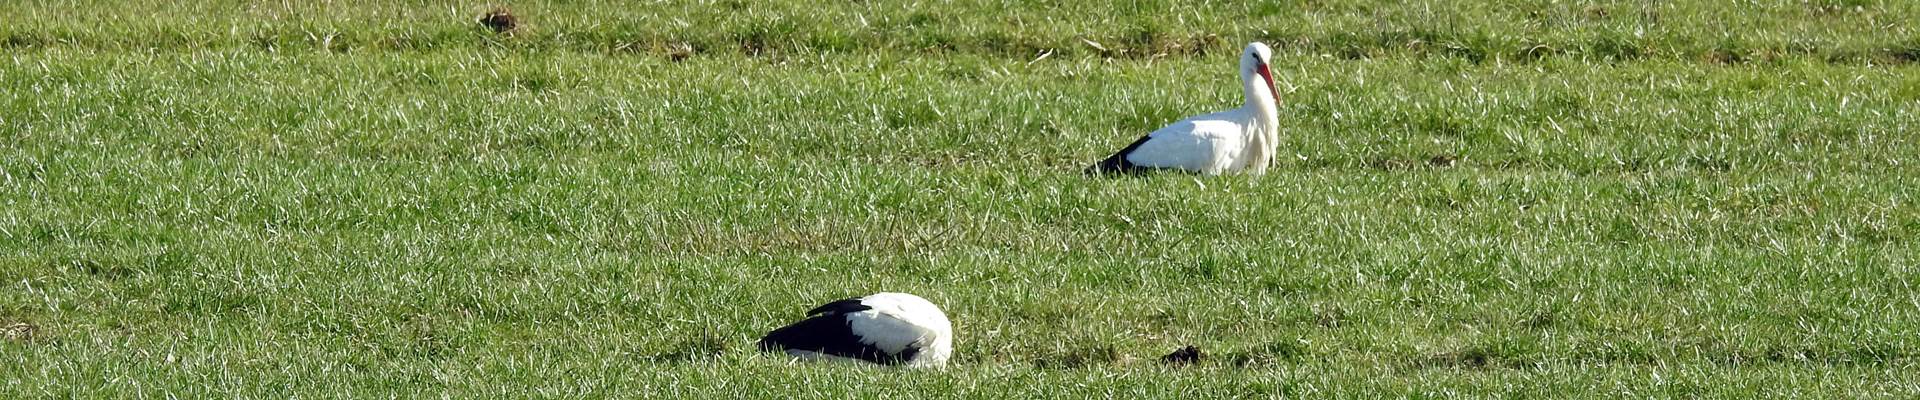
(1237, 140)
(884, 328)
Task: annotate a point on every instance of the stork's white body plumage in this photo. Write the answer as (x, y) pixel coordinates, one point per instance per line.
(1239, 140)
(884, 328)
(1210, 144)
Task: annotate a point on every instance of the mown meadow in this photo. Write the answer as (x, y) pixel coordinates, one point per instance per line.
(1473, 198)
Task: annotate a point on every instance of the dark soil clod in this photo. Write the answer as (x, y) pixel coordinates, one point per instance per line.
(1184, 356)
(678, 52)
(500, 20)
(20, 331)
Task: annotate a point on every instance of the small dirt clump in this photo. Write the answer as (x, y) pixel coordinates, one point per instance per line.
(500, 20)
(1184, 356)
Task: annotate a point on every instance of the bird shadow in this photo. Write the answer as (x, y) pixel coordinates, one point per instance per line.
(698, 349)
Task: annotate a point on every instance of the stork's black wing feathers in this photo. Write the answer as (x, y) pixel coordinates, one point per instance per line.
(842, 306)
(832, 335)
(1117, 163)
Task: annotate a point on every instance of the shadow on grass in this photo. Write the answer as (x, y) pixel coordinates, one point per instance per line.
(1083, 357)
(698, 349)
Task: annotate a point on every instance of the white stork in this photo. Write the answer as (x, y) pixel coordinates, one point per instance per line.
(884, 328)
(1237, 140)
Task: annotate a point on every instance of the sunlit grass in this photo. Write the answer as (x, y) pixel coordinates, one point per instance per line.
(196, 208)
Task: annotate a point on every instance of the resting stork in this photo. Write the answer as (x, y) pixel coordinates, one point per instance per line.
(884, 328)
(1237, 140)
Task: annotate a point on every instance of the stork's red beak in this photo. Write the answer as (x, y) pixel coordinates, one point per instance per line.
(1268, 75)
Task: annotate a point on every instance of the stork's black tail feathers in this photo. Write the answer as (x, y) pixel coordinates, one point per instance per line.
(1117, 163)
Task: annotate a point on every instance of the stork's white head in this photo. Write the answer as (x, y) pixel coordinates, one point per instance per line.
(1253, 65)
(1256, 55)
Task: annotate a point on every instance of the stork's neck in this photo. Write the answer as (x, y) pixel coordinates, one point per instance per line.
(1260, 100)
(1263, 135)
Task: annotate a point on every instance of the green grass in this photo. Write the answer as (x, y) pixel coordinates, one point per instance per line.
(217, 200)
